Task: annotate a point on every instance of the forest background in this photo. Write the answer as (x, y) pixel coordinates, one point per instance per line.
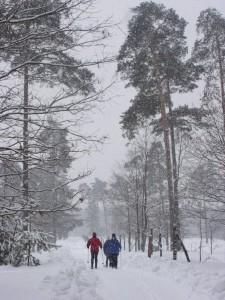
(171, 178)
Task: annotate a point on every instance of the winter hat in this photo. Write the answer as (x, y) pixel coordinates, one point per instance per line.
(113, 236)
(94, 234)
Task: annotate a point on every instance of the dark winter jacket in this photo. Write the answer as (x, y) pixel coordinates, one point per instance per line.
(113, 246)
(105, 247)
(95, 243)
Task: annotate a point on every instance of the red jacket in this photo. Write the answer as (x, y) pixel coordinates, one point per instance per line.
(95, 243)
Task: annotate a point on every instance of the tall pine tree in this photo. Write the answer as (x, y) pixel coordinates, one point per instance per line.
(151, 59)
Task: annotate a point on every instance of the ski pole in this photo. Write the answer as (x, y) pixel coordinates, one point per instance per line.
(121, 259)
(88, 256)
(102, 257)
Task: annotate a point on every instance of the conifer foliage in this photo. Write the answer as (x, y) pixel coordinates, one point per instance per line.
(151, 59)
(209, 49)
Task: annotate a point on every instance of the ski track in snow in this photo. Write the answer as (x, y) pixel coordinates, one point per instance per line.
(76, 281)
(65, 274)
(133, 284)
(73, 281)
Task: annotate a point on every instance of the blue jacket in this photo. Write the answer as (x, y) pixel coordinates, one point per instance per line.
(113, 246)
(105, 247)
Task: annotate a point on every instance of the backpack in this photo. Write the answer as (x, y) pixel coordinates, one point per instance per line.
(113, 247)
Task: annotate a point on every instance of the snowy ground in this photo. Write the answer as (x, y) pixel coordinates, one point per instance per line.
(65, 274)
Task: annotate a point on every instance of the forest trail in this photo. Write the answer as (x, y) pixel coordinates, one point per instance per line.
(65, 274)
(128, 282)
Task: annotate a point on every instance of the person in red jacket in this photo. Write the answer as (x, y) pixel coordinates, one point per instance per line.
(95, 243)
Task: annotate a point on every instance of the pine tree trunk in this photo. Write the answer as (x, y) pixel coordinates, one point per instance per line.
(105, 217)
(150, 244)
(175, 171)
(54, 204)
(138, 225)
(160, 243)
(206, 225)
(25, 149)
(211, 238)
(200, 232)
(163, 223)
(166, 144)
(144, 206)
(184, 249)
(25, 159)
(25, 177)
(129, 229)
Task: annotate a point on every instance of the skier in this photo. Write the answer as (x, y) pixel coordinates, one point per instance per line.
(114, 247)
(95, 243)
(105, 249)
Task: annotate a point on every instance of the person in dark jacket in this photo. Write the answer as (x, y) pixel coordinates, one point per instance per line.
(94, 243)
(105, 249)
(113, 247)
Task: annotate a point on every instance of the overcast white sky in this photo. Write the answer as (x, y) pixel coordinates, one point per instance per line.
(107, 121)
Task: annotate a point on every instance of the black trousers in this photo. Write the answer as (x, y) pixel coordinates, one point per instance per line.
(113, 260)
(94, 259)
(107, 261)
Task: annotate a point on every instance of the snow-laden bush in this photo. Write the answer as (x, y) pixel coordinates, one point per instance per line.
(25, 244)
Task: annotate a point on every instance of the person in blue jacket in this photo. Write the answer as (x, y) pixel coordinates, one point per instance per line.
(113, 248)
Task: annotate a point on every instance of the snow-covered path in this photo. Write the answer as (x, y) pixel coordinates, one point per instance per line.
(137, 284)
(65, 274)
(133, 283)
